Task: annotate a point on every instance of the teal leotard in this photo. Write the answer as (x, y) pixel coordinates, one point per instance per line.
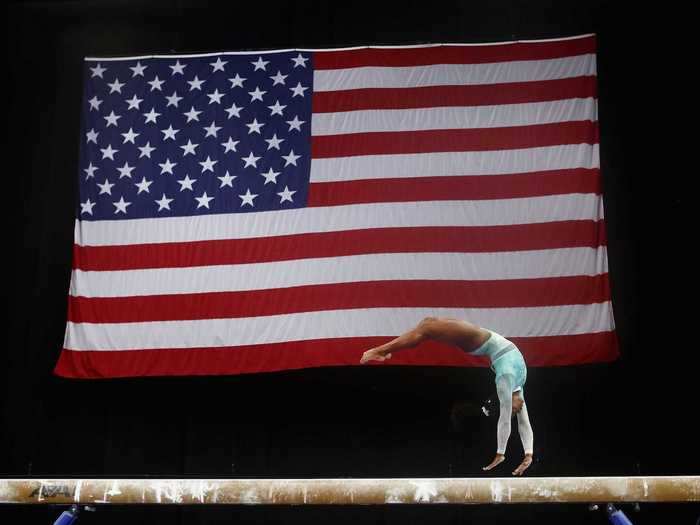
(505, 359)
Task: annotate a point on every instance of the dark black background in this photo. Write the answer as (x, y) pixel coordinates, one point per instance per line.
(634, 416)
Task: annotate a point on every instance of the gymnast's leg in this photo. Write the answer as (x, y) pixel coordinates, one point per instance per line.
(451, 331)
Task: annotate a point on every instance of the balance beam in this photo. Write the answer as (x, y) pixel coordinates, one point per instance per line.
(352, 491)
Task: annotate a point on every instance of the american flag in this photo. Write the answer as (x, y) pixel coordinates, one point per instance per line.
(245, 212)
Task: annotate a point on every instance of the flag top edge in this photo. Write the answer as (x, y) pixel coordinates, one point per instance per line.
(272, 51)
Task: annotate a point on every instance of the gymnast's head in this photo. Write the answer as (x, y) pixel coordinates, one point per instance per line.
(518, 402)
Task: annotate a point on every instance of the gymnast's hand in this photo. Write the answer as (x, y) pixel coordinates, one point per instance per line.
(527, 461)
(375, 354)
(500, 458)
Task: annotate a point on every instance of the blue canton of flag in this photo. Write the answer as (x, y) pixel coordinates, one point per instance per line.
(196, 135)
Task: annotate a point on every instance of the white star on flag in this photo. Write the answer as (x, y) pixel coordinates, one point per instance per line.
(208, 165)
(196, 83)
(189, 148)
(270, 176)
(204, 200)
(186, 183)
(116, 86)
(295, 123)
(260, 64)
(138, 69)
(278, 78)
(169, 133)
(299, 61)
(121, 206)
(95, 103)
(218, 65)
(298, 90)
(286, 195)
(212, 130)
(251, 160)
(233, 111)
(146, 150)
(156, 84)
(230, 145)
(274, 142)
(215, 98)
(237, 81)
(129, 136)
(177, 69)
(108, 152)
(151, 116)
(226, 180)
(254, 127)
(105, 187)
(92, 135)
(90, 170)
(112, 119)
(291, 158)
(167, 167)
(164, 202)
(248, 198)
(86, 207)
(143, 186)
(134, 102)
(97, 71)
(192, 114)
(257, 94)
(173, 99)
(125, 170)
(276, 109)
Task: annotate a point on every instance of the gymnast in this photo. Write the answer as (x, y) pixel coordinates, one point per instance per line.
(506, 361)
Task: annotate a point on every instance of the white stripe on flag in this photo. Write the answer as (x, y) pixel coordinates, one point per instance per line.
(455, 164)
(533, 210)
(454, 74)
(512, 322)
(329, 270)
(473, 117)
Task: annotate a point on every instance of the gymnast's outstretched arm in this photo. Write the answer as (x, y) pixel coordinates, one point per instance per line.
(504, 389)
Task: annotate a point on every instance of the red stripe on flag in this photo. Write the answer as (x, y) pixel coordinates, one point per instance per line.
(446, 96)
(538, 351)
(315, 298)
(569, 349)
(457, 239)
(480, 54)
(480, 139)
(473, 187)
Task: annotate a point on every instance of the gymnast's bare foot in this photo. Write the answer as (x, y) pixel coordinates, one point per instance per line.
(375, 354)
(500, 458)
(527, 461)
